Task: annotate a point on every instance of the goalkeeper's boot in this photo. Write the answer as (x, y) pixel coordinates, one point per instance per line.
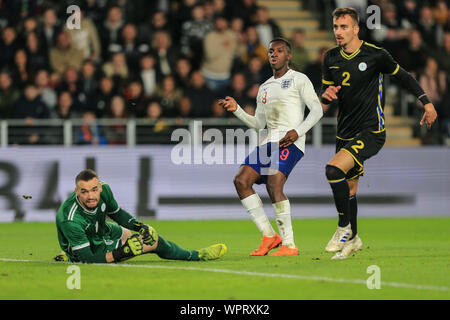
(213, 252)
(340, 237)
(350, 247)
(62, 257)
(267, 244)
(285, 251)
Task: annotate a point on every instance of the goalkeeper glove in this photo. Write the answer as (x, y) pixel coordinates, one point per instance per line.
(131, 248)
(148, 233)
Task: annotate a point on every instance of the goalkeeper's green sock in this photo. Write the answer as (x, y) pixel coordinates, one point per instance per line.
(170, 250)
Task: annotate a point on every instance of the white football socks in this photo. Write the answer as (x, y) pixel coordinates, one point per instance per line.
(283, 217)
(254, 207)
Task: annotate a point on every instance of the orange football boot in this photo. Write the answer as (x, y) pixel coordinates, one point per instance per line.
(267, 244)
(285, 251)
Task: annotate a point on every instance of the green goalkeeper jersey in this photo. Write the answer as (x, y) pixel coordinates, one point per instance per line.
(79, 228)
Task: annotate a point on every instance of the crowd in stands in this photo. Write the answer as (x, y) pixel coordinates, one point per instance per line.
(174, 58)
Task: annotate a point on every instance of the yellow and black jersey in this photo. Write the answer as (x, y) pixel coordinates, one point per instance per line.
(361, 77)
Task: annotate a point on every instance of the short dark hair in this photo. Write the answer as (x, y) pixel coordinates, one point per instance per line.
(339, 12)
(287, 43)
(85, 175)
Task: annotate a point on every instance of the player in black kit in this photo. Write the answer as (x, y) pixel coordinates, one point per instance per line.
(353, 75)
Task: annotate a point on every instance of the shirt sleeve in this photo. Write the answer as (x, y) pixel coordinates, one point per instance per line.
(327, 80)
(387, 64)
(258, 121)
(111, 203)
(75, 235)
(309, 96)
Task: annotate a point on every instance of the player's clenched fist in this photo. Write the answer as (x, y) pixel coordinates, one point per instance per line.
(148, 233)
(228, 104)
(330, 94)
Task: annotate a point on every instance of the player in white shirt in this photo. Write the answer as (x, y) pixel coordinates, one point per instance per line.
(281, 105)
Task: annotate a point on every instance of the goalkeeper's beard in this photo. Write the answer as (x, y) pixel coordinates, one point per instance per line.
(90, 208)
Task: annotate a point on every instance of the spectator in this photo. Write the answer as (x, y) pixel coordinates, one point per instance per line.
(300, 57)
(149, 75)
(89, 82)
(22, 71)
(158, 22)
(104, 95)
(135, 94)
(90, 131)
(95, 11)
(169, 96)
(154, 110)
(254, 46)
(30, 106)
(431, 32)
(165, 54)
(391, 34)
(117, 69)
(441, 13)
(49, 29)
(85, 38)
(8, 46)
(266, 27)
(65, 109)
(408, 13)
(110, 32)
(29, 26)
(245, 9)
(413, 56)
(218, 111)
(433, 82)
(9, 95)
(72, 84)
(183, 72)
(64, 55)
(132, 48)
(37, 55)
(238, 89)
(47, 93)
(116, 133)
(200, 95)
(443, 54)
(255, 72)
(220, 46)
(314, 71)
(185, 108)
(193, 32)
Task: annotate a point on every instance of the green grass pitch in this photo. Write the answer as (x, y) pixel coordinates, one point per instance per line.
(412, 253)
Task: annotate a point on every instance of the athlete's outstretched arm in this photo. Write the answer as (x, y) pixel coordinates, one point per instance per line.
(258, 121)
(409, 83)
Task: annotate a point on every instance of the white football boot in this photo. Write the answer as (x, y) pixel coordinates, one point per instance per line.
(340, 237)
(350, 247)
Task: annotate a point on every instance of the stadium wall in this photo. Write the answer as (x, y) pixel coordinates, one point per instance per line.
(147, 181)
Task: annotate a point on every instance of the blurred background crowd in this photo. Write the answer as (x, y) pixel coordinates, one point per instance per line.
(174, 58)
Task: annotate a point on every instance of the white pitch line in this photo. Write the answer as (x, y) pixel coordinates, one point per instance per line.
(250, 273)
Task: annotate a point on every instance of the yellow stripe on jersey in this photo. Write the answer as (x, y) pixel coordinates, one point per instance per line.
(354, 54)
(372, 45)
(350, 139)
(327, 82)
(396, 70)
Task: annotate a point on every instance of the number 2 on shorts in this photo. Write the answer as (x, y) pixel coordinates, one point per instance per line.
(358, 146)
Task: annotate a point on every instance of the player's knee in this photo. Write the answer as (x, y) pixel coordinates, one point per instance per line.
(334, 173)
(241, 183)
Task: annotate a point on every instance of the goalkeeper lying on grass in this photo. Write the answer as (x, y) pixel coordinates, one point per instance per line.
(85, 236)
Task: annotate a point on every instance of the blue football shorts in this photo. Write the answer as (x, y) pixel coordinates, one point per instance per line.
(267, 159)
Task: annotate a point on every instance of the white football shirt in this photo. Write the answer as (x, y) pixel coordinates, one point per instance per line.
(281, 107)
